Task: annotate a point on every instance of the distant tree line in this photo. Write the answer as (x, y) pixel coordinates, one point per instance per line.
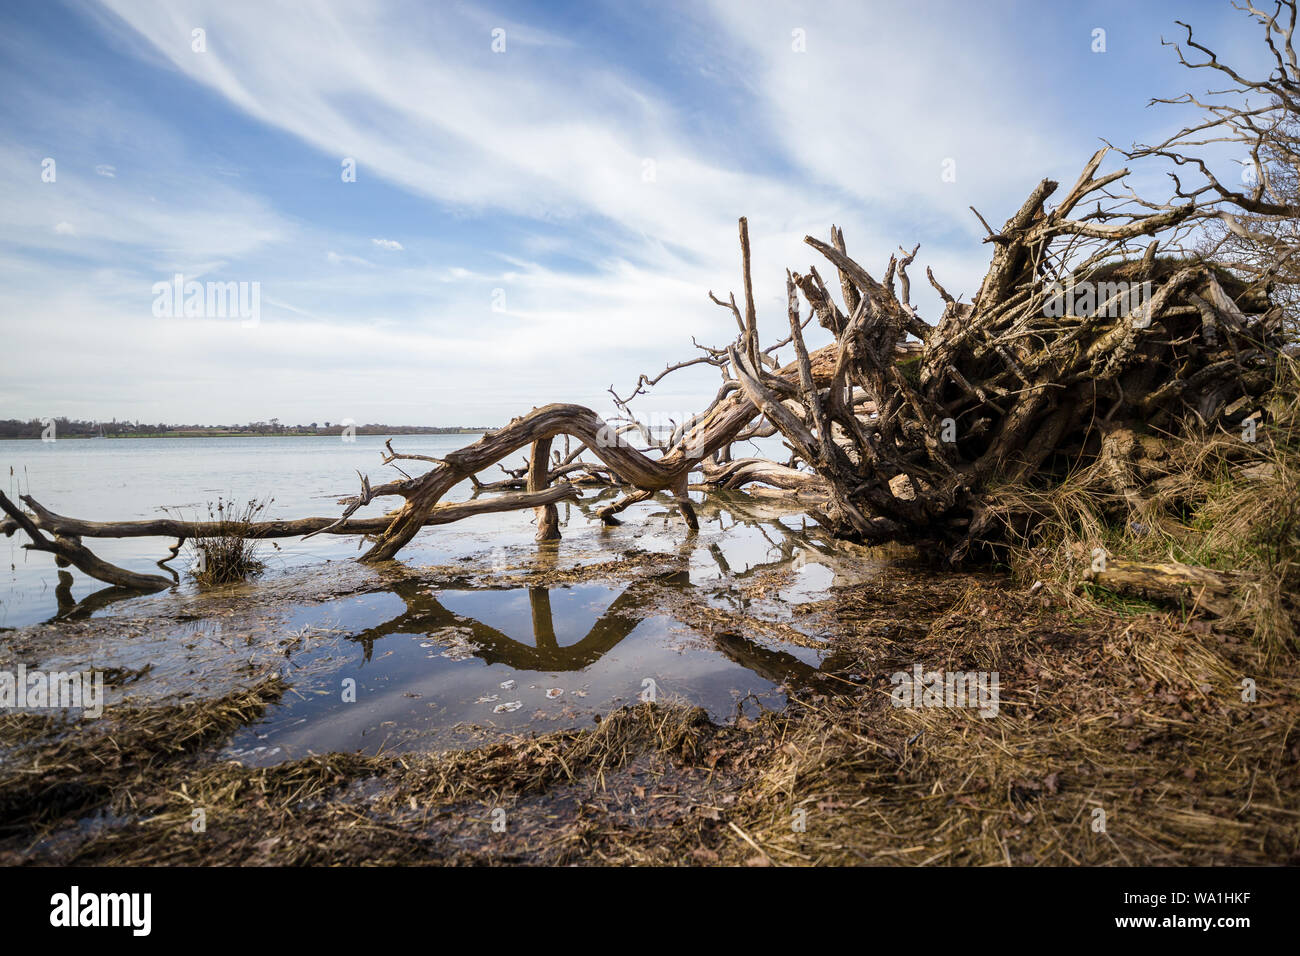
(79, 428)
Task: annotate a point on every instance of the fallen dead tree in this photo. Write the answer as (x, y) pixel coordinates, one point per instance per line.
(67, 532)
(44, 519)
(1081, 334)
(728, 417)
(900, 429)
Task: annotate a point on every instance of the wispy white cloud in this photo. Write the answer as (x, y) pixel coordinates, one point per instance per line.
(566, 215)
(450, 120)
(335, 258)
(176, 221)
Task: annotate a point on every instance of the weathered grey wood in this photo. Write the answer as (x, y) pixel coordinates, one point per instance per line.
(548, 518)
(70, 549)
(444, 513)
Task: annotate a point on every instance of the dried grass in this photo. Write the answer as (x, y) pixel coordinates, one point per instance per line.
(1139, 715)
(1209, 499)
(229, 556)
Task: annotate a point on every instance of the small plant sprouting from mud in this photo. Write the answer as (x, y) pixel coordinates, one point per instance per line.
(229, 555)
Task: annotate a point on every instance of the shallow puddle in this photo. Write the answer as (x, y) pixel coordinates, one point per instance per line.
(436, 668)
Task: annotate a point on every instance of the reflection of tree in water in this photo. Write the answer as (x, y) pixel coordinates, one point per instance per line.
(786, 544)
(730, 509)
(70, 609)
(426, 615)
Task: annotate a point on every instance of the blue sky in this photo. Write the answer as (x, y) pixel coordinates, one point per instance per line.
(526, 226)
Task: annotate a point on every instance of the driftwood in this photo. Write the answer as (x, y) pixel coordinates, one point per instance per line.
(43, 519)
(68, 549)
(1171, 581)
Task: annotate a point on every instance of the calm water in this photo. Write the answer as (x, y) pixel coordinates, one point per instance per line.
(136, 478)
(435, 657)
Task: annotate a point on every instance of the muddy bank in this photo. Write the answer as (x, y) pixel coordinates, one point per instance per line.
(1121, 737)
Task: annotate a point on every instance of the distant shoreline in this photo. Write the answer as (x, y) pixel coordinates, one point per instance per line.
(238, 434)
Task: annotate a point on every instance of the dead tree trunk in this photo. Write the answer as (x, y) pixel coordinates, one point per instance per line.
(548, 518)
(68, 548)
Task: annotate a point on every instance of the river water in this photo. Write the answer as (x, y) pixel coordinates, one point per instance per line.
(137, 478)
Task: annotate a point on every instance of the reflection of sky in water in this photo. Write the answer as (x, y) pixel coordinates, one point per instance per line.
(440, 660)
